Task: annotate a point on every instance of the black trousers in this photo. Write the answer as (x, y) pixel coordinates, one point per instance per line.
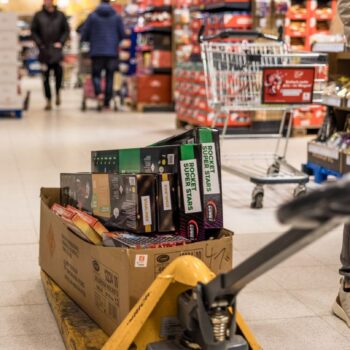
(345, 253)
(58, 72)
(109, 66)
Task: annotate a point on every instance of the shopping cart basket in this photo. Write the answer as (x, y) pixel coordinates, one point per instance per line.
(261, 75)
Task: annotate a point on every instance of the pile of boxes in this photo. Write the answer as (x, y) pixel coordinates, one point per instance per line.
(147, 206)
(9, 71)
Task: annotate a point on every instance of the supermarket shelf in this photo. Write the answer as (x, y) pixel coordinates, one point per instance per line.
(156, 9)
(336, 101)
(297, 35)
(256, 128)
(220, 7)
(154, 29)
(294, 17)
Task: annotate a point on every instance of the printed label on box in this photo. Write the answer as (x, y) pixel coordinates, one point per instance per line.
(166, 195)
(210, 169)
(146, 210)
(190, 186)
(141, 260)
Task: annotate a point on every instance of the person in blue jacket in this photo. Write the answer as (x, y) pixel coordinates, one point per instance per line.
(104, 30)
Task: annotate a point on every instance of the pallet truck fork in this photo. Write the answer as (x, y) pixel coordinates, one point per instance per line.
(187, 307)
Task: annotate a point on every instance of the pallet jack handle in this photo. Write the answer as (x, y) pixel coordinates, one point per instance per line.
(311, 216)
(204, 310)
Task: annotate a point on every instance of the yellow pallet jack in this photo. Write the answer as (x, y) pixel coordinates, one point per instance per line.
(188, 308)
(204, 317)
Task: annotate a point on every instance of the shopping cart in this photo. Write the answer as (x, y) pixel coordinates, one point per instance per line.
(253, 75)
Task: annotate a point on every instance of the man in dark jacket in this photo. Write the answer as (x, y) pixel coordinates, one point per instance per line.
(50, 31)
(104, 29)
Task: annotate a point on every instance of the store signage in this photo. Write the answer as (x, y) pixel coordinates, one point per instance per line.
(291, 85)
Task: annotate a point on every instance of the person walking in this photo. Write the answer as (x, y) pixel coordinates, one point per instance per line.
(341, 306)
(50, 31)
(104, 30)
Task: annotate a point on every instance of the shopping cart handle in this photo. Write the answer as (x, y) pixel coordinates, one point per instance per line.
(239, 34)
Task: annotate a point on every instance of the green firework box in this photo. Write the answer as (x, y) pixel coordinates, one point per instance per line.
(211, 168)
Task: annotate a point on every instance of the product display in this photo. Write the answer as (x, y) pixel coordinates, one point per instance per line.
(184, 160)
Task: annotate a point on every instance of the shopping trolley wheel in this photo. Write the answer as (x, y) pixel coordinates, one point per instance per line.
(274, 169)
(257, 198)
(300, 190)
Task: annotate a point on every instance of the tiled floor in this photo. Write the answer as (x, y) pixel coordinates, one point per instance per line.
(288, 308)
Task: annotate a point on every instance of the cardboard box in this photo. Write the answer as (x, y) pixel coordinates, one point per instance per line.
(125, 202)
(107, 282)
(322, 155)
(7, 56)
(9, 74)
(211, 169)
(162, 59)
(76, 190)
(154, 89)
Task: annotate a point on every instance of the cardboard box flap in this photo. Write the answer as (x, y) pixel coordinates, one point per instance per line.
(50, 196)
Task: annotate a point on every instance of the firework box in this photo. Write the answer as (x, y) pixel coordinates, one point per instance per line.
(76, 190)
(211, 171)
(107, 282)
(182, 160)
(126, 202)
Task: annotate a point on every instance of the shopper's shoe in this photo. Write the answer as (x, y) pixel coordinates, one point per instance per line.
(341, 306)
(100, 99)
(58, 100)
(48, 106)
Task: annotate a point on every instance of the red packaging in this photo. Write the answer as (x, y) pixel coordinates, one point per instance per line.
(154, 88)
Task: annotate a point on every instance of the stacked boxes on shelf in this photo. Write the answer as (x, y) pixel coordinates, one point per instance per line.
(10, 100)
(305, 19)
(154, 54)
(190, 92)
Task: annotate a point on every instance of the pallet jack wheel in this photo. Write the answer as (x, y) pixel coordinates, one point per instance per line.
(300, 190)
(257, 198)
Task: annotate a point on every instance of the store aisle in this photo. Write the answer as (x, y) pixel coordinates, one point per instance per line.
(289, 308)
